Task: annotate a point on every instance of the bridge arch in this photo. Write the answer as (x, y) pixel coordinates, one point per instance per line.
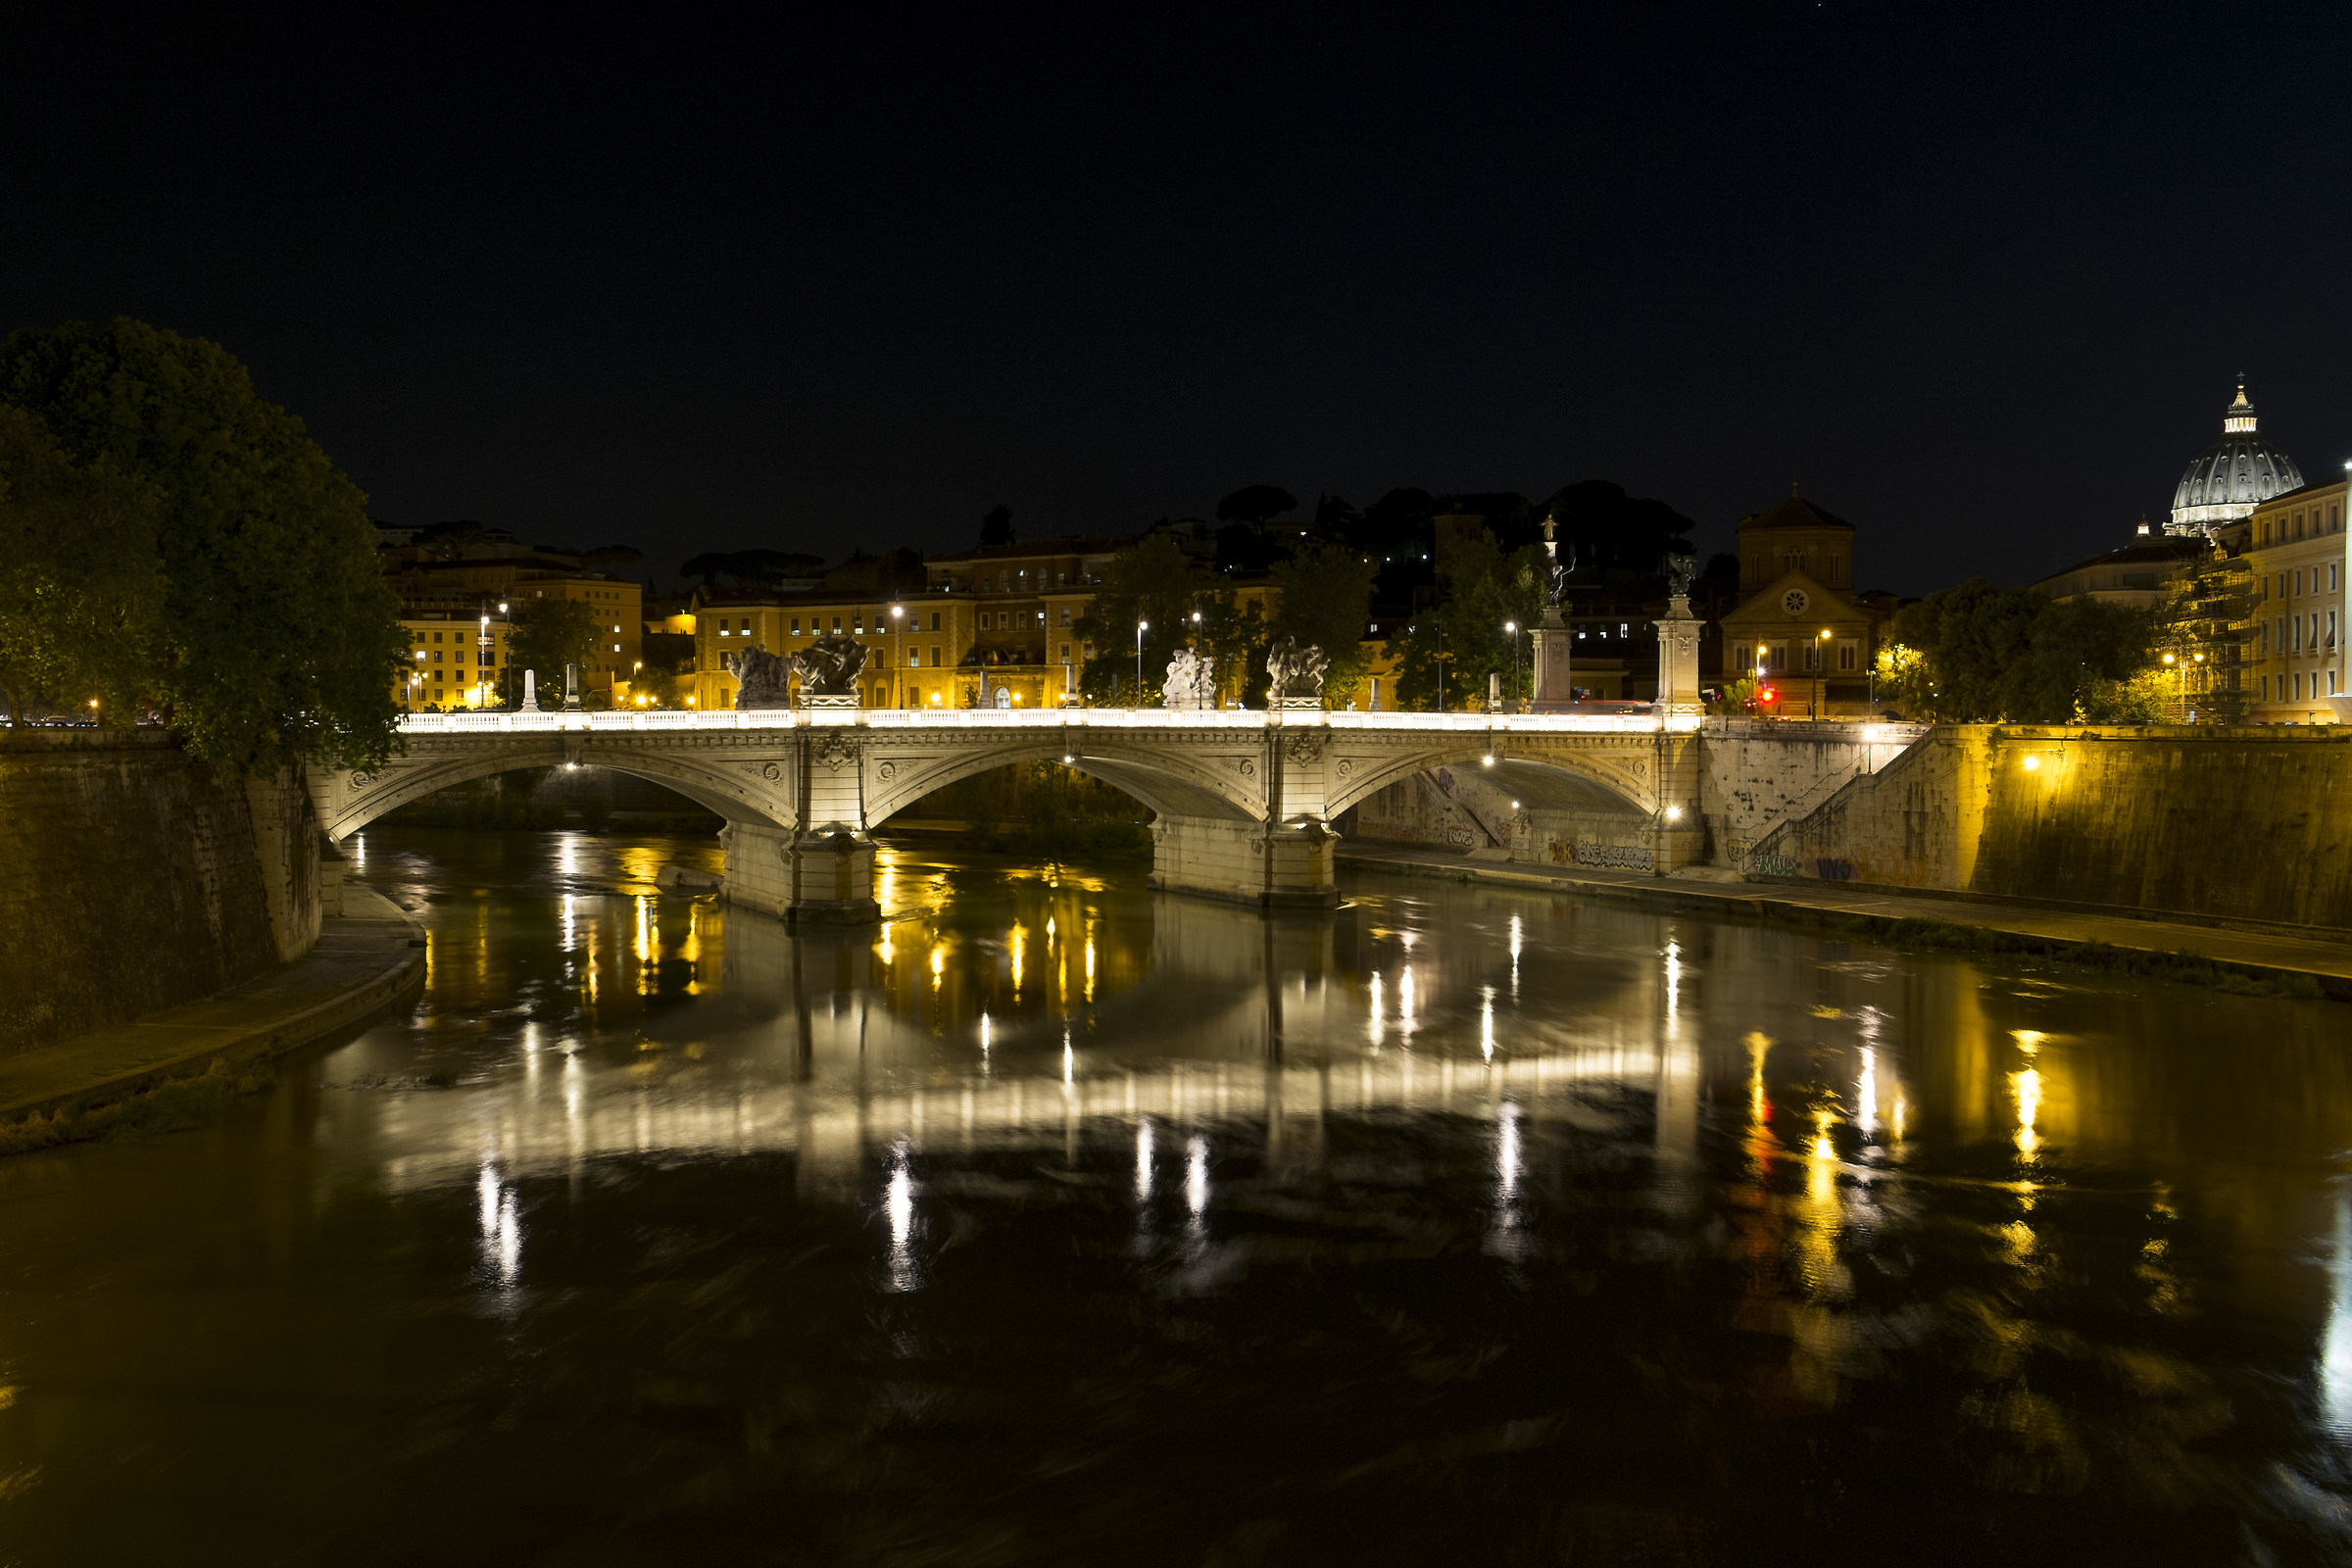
(1613, 782)
(1168, 783)
(737, 791)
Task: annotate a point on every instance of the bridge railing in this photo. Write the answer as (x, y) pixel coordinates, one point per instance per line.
(969, 718)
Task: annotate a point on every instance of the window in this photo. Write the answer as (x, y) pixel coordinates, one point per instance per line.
(2335, 522)
(1739, 658)
(1040, 620)
(933, 656)
(1060, 579)
(2332, 568)
(1780, 656)
(836, 625)
(935, 620)
(1065, 653)
(2298, 687)
(1065, 615)
(437, 636)
(796, 625)
(1848, 656)
(436, 655)
(1810, 649)
(857, 624)
(2298, 525)
(914, 659)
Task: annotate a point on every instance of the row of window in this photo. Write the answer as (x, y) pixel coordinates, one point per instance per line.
(1774, 657)
(990, 621)
(2276, 584)
(2335, 524)
(2285, 634)
(1791, 560)
(2292, 687)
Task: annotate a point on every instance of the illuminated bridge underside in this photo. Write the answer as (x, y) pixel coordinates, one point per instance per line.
(1243, 800)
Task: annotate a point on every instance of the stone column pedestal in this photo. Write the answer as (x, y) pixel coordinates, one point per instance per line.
(1290, 867)
(1678, 661)
(1551, 690)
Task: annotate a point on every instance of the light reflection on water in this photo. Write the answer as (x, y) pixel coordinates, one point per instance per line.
(1493, 1224)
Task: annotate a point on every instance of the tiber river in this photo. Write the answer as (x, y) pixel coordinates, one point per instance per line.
(1058, 1222)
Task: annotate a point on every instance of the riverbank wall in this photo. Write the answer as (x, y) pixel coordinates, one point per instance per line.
(135, 879)
(2249, 824)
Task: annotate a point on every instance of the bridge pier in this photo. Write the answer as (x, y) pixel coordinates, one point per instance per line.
(1287, 866)
(824, 877)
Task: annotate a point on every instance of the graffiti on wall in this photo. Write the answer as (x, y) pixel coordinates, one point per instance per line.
(1591, 852)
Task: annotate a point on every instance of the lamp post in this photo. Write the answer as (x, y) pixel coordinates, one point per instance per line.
(1821, 671)
(1141, 627)
(1203, 700)
(898, 648)
(1512, 627)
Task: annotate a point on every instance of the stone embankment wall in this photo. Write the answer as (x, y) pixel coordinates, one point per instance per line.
(134, 879)
(2251, 824)
(1757, 775)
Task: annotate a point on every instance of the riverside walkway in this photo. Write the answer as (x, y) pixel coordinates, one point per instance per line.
(2321, 955)
(366, 957)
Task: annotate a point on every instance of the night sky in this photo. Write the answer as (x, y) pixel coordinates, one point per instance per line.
(1981, 279)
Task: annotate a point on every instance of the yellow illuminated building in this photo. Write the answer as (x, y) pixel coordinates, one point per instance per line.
(2295, 545)
(449, 663)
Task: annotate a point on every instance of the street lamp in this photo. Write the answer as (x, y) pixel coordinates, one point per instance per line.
(1512, 627)
(898, 648)
(1821, 671)
(1206, 702)
(1141, 627)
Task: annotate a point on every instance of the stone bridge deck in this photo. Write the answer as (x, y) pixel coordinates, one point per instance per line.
(1245, 800)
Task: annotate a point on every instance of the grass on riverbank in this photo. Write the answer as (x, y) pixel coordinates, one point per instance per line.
(168, 1107)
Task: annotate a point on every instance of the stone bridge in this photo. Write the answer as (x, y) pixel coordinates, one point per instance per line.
(1245, 800)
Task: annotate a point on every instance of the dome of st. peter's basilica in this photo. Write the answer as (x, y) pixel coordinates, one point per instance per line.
(2231, 476)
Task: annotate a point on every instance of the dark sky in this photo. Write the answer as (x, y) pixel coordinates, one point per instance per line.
(1982, 279)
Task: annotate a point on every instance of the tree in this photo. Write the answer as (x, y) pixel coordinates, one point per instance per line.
(1610, 530)
(996, 529)
(1256, 504)
(278, 637)
(548, 633)
(1157, 583)
(81, 589)
(1978, 653)
(604, 557)
(661, 684)
(710, 567)
(1447, 652)
(1327, 601)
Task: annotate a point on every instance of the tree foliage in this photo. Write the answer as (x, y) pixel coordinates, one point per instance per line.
(1326, 599)
(276, 637)
(1978, 653)
(1256, 503)
(550, 633)
(1610, 530)
(996, 529)
(1445, 653)
(81, 590)
(1157, 585)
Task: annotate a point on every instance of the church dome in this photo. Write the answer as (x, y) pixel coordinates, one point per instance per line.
(2231, 476)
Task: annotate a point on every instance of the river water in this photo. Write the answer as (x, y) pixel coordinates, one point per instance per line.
(1061, 1222)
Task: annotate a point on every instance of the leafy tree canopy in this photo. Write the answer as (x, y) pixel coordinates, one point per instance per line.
(1978, 653)
(277, 636)
(1256, 503)
(81, 587)
(550, 633)
(752, 568)
(996, 529)
(1326, 599)
(1445, 653)
(1612, 531)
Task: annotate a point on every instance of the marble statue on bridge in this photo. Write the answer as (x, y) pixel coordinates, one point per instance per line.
(1190, 682)
(760, 677)
(830, 667)
(1296, 673)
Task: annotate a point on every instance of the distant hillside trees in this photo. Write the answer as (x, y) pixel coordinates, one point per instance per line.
(272, 635)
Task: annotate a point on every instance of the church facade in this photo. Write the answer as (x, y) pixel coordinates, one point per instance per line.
(1798, 624)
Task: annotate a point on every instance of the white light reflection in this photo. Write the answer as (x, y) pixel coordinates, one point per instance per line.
(1866, 1093)
(502, 1229)
(897, 1203)
(1674, 976)
(1503, 1237)
(1405, 1021)
(2335, 1345)
(1195, 1177)
(1514, 957)
(1070, 1061)
(1376, 1025)
(984, 1041)
(1486, 1022)
(1142, 1161)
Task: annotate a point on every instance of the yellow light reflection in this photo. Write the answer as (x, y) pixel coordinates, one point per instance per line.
(1759, 1110)
(939, 960)
(1486, 1022)
(1090, 963)
(1866, 1093)
(1020, 935)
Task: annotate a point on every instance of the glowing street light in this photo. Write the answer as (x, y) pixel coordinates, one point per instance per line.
(1141, 627)
(1512, 627)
